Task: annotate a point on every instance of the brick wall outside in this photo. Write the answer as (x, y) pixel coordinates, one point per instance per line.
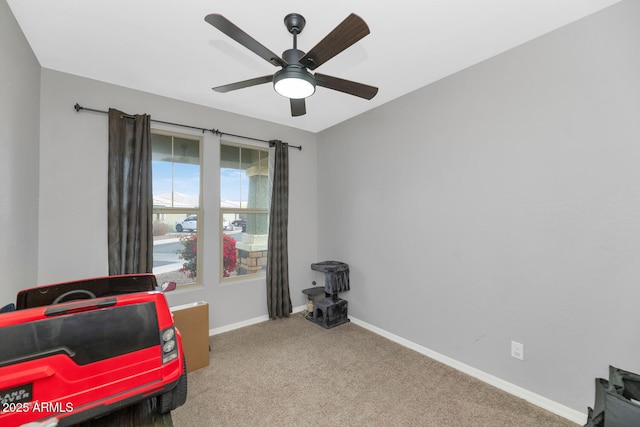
(251, 262)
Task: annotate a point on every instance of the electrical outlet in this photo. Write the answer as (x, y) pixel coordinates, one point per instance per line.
(517, 350)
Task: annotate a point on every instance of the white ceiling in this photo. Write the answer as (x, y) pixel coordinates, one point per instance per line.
(165, 47)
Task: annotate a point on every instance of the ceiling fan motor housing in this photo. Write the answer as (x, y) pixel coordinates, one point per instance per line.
(292, 56)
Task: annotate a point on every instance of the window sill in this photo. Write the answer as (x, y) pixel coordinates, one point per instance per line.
(243, 279)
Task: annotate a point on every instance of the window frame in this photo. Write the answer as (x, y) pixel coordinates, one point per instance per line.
(186, 211)
(239, 211)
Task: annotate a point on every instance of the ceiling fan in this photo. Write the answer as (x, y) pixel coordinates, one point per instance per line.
(294, 81)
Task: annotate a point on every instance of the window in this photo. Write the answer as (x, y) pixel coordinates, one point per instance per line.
(176, 206)
(244, 217)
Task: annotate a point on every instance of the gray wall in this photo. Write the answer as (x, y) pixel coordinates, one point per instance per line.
(73, 183)
(502, 203)
(19, 135)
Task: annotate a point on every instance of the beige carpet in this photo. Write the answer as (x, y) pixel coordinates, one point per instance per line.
(291, 372)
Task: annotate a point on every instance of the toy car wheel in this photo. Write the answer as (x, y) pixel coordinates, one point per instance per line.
(178, 228)
(175, 398)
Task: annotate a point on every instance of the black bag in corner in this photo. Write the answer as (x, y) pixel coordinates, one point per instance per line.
(628, 382)
(617, 402)
(594, 421)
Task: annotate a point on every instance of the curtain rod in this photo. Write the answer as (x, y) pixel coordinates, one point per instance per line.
(79, 107)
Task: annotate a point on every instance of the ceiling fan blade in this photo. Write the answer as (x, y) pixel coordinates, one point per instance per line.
(346, 86)
(298, 107)
(243, 84)
(230, 29)
(349, 31)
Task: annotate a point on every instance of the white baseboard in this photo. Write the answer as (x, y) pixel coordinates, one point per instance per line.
(547, 404)
(238, 325)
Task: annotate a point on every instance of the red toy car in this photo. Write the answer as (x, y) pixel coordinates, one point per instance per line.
(77, 350)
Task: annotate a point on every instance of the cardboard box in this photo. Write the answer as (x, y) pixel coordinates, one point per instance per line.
(192, 320)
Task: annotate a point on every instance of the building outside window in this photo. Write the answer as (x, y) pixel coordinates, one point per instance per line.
(176, 170)
(244, 217)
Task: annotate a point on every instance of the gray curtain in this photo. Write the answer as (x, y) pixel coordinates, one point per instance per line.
(130, 201)
(278, 298)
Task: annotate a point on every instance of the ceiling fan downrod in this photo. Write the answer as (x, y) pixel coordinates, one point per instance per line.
(295, 24)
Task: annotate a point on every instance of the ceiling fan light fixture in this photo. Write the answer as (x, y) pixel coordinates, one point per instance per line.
(294, 82)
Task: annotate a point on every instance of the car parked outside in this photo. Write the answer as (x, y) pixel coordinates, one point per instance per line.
(190, 223)
(241, 222)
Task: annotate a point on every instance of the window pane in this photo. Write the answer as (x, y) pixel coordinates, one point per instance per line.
(244, 195)
(162, 171)
(258, 176)
(186, 172)
(176, 171)
(244, 250)
(244, 177)
(176, 198)
(175, 253)
(230, 177)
